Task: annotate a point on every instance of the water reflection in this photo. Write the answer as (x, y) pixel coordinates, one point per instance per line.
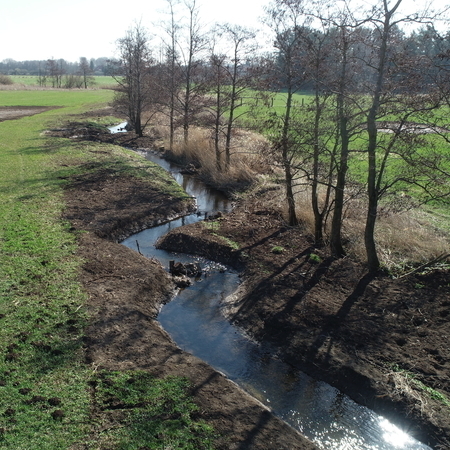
(121, 128)
(193, 319)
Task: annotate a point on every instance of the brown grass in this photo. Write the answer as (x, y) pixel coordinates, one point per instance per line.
(247, 156)
(5, 80)
(404, 239)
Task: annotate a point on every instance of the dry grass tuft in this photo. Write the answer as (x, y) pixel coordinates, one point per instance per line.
(247, 156)
(405, 387)
(404, 239)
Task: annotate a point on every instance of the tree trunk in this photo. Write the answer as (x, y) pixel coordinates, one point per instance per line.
(337, 249)
(292, 216)
(374, 178)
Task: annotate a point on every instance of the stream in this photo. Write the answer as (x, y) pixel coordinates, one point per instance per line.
(193, 319)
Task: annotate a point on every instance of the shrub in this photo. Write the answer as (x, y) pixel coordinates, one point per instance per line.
(5, 79)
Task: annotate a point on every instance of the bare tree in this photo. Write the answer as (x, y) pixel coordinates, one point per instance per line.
(192, 68)
(240, 76)
(55, 71)
(284, 18)
(171, 79)
(84, 69)
(221, 101)
(396, 92)
(232, 76)
(133, 74)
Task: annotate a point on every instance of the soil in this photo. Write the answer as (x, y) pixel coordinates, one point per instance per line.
(333, 320)
(16, 112)
(325, 316)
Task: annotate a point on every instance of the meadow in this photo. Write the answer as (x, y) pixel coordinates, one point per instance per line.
(32, 80)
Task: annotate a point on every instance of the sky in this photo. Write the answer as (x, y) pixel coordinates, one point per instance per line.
(69, 29)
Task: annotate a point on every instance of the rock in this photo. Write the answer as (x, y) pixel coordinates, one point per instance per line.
(182, 281)
(190, 269)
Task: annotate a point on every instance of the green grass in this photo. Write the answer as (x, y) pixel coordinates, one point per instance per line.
(41, 301)
(155, 413)
(45, 400)
(73, 101)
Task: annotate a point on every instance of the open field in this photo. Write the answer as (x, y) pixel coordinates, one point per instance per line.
(32, 80)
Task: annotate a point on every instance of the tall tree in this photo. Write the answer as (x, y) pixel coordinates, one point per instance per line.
(192, 68)
(284, 19)
(84, 69)
(233, 71)
(132, 72)
(397, 91)
(240, 74)
(172, 77)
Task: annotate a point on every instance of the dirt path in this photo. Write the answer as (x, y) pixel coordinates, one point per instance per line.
(16, 112)
(125, 292)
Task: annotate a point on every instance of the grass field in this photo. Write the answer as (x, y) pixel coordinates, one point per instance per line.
(44, 382)
(32, 80)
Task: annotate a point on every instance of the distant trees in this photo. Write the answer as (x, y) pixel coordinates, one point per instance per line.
(37, 68)
(55, 70)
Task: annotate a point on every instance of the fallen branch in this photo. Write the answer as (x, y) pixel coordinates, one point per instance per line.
(437, 260)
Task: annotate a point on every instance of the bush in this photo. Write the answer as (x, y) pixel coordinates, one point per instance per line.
(5, 79)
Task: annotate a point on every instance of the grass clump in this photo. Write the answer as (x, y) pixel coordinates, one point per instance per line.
(157, 413)
(407, 384)
(5, 79)
(315, 258)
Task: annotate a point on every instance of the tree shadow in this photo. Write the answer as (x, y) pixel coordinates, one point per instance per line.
(292, 266)
(333, 323)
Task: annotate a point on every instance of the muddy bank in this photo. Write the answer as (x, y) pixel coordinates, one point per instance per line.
(374, 338)
(125, 292)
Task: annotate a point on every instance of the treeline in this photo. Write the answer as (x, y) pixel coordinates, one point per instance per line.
(373, 129)
(58, 73)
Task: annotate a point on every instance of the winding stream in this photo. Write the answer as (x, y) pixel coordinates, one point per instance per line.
(193, 319)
